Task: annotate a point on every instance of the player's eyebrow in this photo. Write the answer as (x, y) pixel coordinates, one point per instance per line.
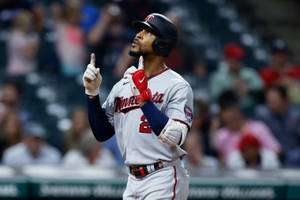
(150, 31)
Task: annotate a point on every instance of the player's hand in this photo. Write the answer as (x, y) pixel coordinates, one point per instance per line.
(133, 69)
(138, 83)
(92, 78)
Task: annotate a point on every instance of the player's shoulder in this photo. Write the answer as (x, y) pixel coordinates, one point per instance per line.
(119, 85)
(175, 78)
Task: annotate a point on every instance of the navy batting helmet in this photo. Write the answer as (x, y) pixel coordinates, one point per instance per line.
(165, 30)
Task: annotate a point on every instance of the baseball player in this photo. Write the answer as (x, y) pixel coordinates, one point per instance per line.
(150, 110)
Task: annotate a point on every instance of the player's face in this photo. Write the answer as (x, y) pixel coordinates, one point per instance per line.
(142, 43)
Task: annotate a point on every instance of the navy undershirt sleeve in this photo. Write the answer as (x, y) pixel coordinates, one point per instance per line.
(155, 117)
(99, 123)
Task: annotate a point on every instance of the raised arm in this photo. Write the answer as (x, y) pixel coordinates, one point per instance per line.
(98, 119)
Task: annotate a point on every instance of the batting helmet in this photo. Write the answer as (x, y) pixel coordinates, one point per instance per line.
(165, 30)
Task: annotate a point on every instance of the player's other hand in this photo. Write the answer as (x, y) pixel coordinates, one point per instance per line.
(133, 69)
(92, 78)
(138, 82)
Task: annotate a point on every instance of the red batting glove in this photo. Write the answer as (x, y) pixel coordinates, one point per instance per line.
(141, 84)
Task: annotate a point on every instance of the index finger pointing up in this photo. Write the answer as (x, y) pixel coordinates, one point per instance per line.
(93, 59)
(141, 63)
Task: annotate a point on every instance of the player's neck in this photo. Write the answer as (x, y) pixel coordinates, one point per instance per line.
(153, 65)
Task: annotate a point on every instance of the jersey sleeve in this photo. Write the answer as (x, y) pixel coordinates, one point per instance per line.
(108, 106)
(180, 104)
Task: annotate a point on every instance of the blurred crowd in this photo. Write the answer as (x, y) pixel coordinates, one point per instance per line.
(243, 117)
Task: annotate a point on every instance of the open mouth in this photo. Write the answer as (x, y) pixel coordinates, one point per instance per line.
(135, 43)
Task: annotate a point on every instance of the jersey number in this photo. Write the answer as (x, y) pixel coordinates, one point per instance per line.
(144, 126)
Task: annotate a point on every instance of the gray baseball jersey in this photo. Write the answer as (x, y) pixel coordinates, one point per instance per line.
(137, 142)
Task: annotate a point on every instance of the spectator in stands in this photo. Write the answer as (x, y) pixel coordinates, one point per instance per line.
(203, 125)
(250, 154)
(112, 145)
(47, 58)
(236, 125)
(281, 117)
(32, 150)
(184, 57)
(282, 71)
(196, 158)
(233, 75)
(10, 133)
(10, 100)
(22, 45)
(292, 160)
(80, 127)
(138, 9)
(90, 152)
(198, 143)
(123, 62)
(38, 11)
(198, 80)
(110, 39)
(70, 45)
(89, 16)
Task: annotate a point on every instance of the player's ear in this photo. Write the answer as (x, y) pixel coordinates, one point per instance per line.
(162, 44)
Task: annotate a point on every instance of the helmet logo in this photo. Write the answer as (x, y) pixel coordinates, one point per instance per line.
(149, 18)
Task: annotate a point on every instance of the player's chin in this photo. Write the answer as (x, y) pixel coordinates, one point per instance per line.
(134, 53)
